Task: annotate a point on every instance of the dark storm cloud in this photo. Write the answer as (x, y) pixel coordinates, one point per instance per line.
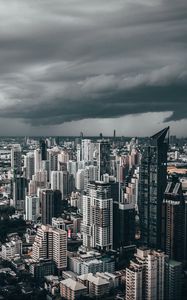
(70, 60)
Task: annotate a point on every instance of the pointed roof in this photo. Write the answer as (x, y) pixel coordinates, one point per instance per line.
(160, 136)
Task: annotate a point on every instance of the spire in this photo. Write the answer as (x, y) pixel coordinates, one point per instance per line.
(160, 136)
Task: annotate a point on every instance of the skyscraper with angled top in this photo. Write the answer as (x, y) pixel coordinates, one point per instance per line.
(152, 184)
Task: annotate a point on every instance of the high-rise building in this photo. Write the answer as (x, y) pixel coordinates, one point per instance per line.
(145, 275)
(173, 280)
(173, 220)
(47, 206)
(29, 165)
(98, 216)
(134, 279)
(51, 243)
(16, 158)
(19, 191)
(37, 160)
(103, 158)
(43, 149)
(152, 184)
(32, 208)
(58, 182)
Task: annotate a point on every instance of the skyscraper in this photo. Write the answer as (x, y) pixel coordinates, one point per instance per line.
(19, 191)
(32, 208)
(152, 184)
(103, 158)
(145, 275)
(173, 220)
(51, 243)
(47, 206)
(98, 216)
(16, 158)
(43, 149)
(29, 164)
(59, 182)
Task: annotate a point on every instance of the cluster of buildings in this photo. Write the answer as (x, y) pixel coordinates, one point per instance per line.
(102, 216)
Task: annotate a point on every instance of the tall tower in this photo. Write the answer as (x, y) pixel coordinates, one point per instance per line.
(47, 206)
(152, 184)
(98, 216)
(29, 164)
(173, 214)
(103, 158)
(43, 148)
(16, 158)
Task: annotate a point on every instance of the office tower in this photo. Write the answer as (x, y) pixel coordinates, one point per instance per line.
(152, 184)
(173, 280)
(32, 208)
(134, 278)
(103, 158)
(98, 216)
(40, 178)
(47, 206)
(19, 191)
(16, 158)
(51, 243)
(173, 215)
(63, 157)
(146, 275)
(43, 149)
(29, 165)
(37, 160)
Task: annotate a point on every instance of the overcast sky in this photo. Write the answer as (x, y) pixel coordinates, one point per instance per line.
(94, 66)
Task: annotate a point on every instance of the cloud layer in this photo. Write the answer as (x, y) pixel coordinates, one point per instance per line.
(64, 61)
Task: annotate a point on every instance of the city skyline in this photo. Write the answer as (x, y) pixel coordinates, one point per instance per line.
(86, 66)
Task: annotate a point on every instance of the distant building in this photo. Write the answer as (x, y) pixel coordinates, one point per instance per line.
(16, 161)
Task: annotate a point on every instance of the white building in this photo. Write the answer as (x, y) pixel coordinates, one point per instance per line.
(145, 275)
(29, 165)
(51, 243)
(32, 208)
(11, 249)
(98, 216)
(59, 181)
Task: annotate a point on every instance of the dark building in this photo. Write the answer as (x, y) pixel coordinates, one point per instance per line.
(57, 203)
(123, 219)
(173, 221)
(19, 191)
(173, 280)
(47, 206)
(152, 185)
(104, 158)
(42, 268)
(43, 148)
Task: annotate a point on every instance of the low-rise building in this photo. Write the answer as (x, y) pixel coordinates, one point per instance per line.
(71, 289)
